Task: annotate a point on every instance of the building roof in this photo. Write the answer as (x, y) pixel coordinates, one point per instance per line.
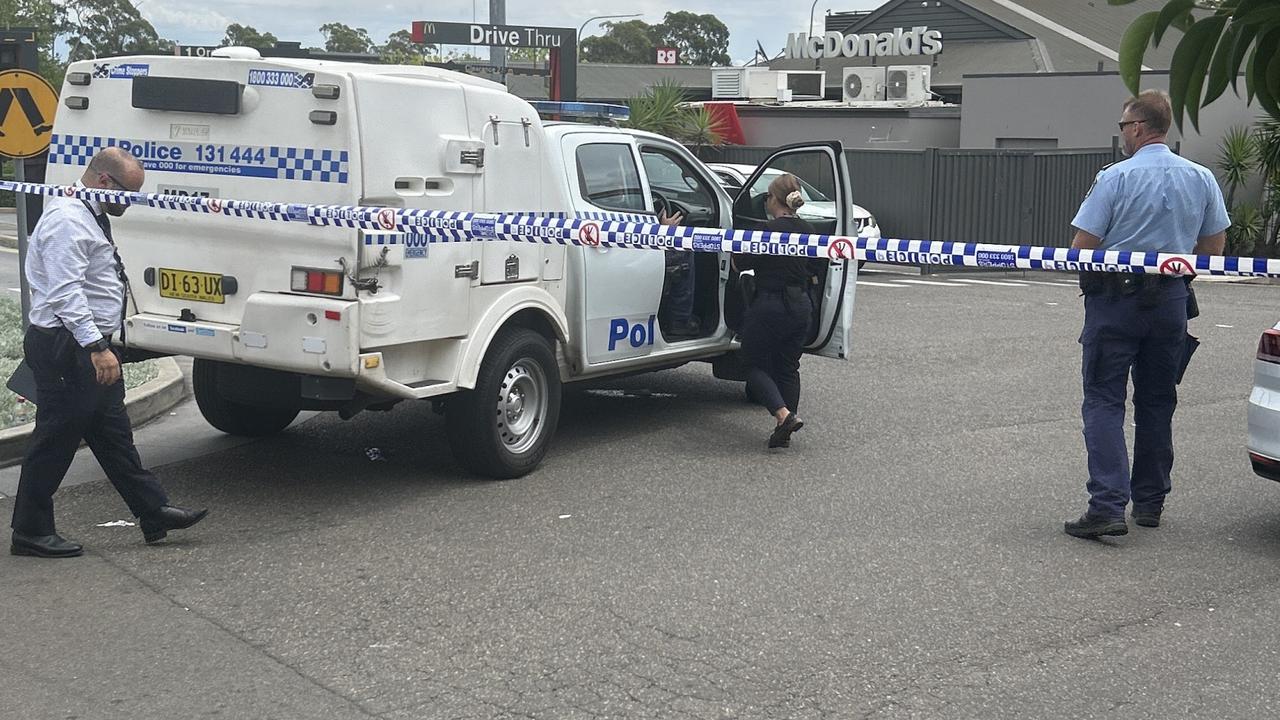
(617, 81)
(1004, 36)
(956, 61)
(1095, 21)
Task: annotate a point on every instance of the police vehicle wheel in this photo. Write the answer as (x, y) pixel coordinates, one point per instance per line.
(230, 417)
(503, 427)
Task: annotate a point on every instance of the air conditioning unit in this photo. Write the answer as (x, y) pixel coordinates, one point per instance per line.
(805, 84)
(863, 84)
(729, 83)
(907, 83)
(765, 84)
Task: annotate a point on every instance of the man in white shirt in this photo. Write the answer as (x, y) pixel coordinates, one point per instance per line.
(77, 302)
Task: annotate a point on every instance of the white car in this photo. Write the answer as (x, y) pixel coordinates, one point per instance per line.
(732, 176)
(1264, 407)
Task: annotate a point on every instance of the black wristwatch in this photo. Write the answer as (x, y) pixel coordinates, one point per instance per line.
(98, 345)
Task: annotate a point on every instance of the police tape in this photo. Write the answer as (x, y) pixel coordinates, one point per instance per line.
(387, 226)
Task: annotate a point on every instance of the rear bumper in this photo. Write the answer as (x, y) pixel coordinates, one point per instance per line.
(1264, 466)
(1264, 420)
(314, 336)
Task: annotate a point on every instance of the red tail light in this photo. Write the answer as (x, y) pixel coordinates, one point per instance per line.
(323, 282)
(1269, 346)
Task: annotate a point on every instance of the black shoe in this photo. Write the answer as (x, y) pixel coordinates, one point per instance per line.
(1091, 526)
(781, 436)
(46, 546)
(157, 523)
(1147, 519)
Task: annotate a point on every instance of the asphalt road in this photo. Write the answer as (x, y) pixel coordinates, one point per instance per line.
(905, 558)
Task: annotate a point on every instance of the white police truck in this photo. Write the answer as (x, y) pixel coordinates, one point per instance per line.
(286, 316)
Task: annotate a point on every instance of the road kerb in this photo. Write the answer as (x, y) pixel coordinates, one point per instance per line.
(143, 403)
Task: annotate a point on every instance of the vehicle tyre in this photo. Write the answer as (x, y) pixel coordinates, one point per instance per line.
(503, 427)
(231, 417)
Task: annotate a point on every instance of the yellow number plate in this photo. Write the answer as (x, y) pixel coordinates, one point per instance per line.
(191, 285)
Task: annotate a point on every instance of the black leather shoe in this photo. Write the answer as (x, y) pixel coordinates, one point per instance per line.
(46, 546)
(1090, 526)
(1147, 519)
(781, 436)
(157, 523)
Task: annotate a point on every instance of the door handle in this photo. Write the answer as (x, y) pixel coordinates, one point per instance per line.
(471, 270)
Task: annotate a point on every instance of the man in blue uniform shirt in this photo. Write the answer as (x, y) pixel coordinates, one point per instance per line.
(1155, 202)
(77, 302)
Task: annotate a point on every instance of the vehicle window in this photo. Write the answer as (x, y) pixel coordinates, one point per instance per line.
(728, 180)
(608, 177)
(817, 183)
(810, 193)
(675, 180)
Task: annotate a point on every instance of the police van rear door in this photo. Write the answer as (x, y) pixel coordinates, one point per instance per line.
(244, 128)
(824, 181)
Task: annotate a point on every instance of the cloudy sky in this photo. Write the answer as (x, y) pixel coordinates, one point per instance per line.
(202, 23)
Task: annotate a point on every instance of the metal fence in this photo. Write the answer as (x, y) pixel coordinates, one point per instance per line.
(1010, 197)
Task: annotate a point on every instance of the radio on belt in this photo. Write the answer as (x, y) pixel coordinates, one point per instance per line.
(260, 261)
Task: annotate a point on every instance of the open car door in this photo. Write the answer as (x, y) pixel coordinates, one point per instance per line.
(824, 181)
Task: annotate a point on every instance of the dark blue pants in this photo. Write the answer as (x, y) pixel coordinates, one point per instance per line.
(72, 406)
(1119, 337)
(773, 335)
(680, 293)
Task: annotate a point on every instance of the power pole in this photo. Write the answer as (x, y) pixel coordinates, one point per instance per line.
(498, 16)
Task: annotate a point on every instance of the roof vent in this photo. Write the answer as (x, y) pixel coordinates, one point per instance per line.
(238, 52)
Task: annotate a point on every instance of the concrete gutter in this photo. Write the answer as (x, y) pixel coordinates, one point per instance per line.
(145, 402)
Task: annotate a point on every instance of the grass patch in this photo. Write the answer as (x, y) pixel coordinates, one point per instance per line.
(14, 410)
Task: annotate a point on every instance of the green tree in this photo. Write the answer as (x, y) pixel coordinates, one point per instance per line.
(50, 21)
(661, 109)
(400, 49)
(247, 36)
(528, 55)
(103, 28)
(346, 39)
(701, 39)
(632, 41)
(1224, 38)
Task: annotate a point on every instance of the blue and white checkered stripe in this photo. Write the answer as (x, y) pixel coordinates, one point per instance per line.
(76, 149)
(290, 163)
(310, 163)
(389, 226)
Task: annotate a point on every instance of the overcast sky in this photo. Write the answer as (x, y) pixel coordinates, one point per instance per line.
(202, 23)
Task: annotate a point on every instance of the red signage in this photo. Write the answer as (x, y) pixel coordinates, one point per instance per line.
(1177, 266)
(841, 249)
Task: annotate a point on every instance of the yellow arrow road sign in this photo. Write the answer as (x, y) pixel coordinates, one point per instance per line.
(27, 106)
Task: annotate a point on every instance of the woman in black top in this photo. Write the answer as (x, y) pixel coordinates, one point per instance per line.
(776, 325)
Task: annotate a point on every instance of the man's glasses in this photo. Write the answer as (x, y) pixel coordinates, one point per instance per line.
(1122, 124)
(119, 185)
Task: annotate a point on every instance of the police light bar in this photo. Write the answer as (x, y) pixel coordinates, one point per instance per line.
(581, 110)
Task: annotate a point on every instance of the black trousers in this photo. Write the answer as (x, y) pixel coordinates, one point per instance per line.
(773, 334)
(73, 406)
